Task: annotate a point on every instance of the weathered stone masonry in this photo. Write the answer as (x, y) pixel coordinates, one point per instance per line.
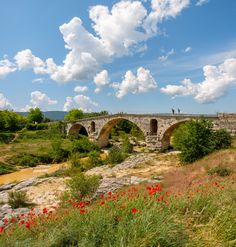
(157, 128)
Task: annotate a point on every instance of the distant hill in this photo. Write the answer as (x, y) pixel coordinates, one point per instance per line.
(53, 115)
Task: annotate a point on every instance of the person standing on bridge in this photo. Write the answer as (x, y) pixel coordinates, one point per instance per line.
(178, 111)
(173, 111)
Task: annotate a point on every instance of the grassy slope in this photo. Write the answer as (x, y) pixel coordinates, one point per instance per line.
(194, 209)
(29, 142)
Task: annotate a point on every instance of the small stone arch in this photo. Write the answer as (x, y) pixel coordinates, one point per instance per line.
(168, 132)
(92, 127)
(77, 129)
(153, 127)
(103, 136)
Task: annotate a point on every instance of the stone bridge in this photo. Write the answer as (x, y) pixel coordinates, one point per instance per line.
(157, 128)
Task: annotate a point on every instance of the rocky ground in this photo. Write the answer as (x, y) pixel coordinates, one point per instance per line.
(45, 192)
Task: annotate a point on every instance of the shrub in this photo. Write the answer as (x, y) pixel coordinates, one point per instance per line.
(84, 146)
(58, 153)
(220, 171)
(82, 186)
(94, 158)
(28, 160)
(127, 147)
(222, 139)
(5, 168)
(6, 137)
(116, 155)
(17, 199)
(75, 160)
(196, 139)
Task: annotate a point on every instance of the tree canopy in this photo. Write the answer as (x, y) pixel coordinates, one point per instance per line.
(35, 115)
(196, 139)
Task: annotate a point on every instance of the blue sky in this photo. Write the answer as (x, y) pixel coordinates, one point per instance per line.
(130, 56)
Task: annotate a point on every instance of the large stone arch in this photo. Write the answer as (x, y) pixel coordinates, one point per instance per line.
(103, 135)
(166, 134)
(77, 129)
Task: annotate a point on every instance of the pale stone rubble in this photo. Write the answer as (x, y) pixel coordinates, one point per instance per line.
(45, 192)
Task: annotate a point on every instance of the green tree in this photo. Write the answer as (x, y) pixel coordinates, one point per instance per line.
(74, 115)
(35, 115)
(196, 139)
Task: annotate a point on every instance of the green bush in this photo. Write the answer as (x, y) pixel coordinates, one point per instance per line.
(82, 186)
(75, 160)
(195, 139)
(5, 168)
(127, 147)
(58, 153)
(27, 160)
(17, 199)
(116, 155)
(6, 137)
(94, 158)
(220, 171)
(222, 139)
(84, 145)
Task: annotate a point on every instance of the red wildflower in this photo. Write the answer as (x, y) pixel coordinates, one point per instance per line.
(5, 221)
(109, 193)
(134, 210)
(22, 222)
(13, 220)
(102, 203)
(22, 215)
(123, 206)
(45, 210)
(1, 230)
(27, 225)
(82, 211)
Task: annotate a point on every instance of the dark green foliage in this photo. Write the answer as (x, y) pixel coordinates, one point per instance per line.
(220, 171)
(74, 115)
(17, 199)
(82, 186)
(222, 139)
(11, 121)
(127, 147)
(58, 153)
(27, 160)
(35, 115)
(196, 139)
(94, 158)
(116, 155)
(5, 168)
(6, 137)
(84, 146)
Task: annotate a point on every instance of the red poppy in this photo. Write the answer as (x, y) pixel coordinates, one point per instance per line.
(102, 203)
(27, 225)
(122, 206)
(45, 210)
(1, 230)
(82, 211)
(109, 193)
(134, 210)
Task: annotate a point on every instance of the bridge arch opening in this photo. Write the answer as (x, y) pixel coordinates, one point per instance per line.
(92, 127)
(103, 136)
(153, 127)
(167, 135)
(76, 130)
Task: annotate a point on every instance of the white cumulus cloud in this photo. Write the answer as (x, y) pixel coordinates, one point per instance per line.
(140, 83)
(41, 100)
(5, 104)
(118, 31)
(161, 10)
(81, 102)
(26, 60)
(6, 67)
(217, 81)
(80, 89)
(101, 80)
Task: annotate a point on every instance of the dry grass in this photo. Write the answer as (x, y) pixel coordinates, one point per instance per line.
(181, 178)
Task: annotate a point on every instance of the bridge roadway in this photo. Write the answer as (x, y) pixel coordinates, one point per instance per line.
(157, 128)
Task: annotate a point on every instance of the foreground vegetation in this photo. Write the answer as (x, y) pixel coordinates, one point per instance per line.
(142, 215)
